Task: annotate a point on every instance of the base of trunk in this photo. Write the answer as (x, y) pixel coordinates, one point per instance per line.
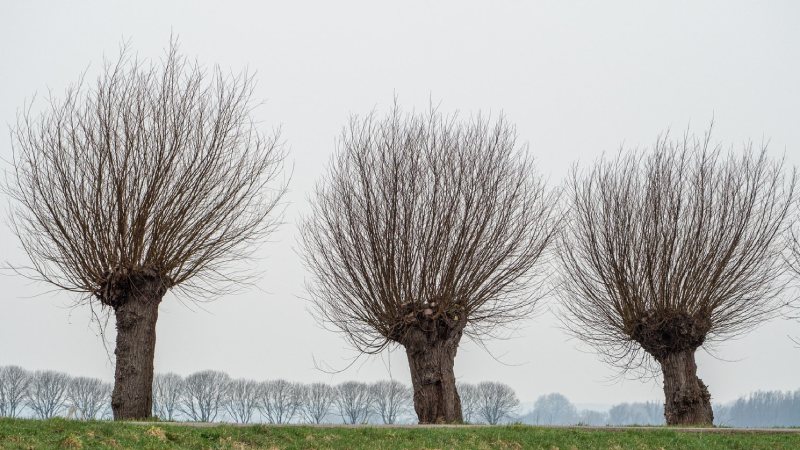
(436, 399)
(136, 318)
(687, 399)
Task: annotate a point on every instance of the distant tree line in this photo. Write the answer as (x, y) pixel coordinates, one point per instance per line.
(762, 409)
(209, 396)
(213, 396)
(47, 393)
(759, 409)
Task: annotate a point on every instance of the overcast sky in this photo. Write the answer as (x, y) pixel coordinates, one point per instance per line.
(577, 78)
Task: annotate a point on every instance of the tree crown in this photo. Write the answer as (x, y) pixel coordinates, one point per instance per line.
(668, 249)
(426, 222)
(157, 171)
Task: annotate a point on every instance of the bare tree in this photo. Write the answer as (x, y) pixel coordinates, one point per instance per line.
(424, 229)
(89, 396)
(153, 178)
(496, 402)
(390, 400)
(203, 395)
(242, 399)
(469, 401)
(317, 401)
(47, 393)
(14, 382)
(591, 418)
(353, 401)
(167, 394)
(554, 409)
(649, 413)
(672, 249)
(280, 400)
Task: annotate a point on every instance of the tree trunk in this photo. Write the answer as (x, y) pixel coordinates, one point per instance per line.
(435, 397)
(136, 316)
(687, 399)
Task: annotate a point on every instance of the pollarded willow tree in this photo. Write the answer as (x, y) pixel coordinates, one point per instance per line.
(427, 228)
(671, 249)
(155, 177)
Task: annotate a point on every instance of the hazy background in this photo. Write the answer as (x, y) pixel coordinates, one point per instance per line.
(578, 79)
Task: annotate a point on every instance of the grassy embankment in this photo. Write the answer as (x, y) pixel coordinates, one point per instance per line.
(58, 433)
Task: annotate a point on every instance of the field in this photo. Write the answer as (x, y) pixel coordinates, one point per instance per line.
(59, 433)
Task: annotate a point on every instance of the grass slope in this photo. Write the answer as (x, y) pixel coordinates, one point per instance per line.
(59, 433)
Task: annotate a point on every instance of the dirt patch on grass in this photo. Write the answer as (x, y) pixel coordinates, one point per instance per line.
(157, 433)
(71, 441)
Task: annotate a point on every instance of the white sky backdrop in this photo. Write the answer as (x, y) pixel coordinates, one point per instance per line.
(578, 79)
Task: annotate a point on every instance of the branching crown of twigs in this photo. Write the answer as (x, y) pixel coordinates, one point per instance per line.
(157, 167)
(681, 232)
(426, 215)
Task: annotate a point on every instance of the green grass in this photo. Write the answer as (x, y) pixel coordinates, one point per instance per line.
(58, 433)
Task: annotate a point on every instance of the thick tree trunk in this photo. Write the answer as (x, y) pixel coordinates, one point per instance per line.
(136, 316)
(687, 399)
(435, 397)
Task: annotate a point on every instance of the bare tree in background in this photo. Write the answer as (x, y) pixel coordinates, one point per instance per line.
(242, 399)
(89, 396)
(424, 229)
(353, 401)
(317, 401)
(671, 249)
(204, 394)
(553, 409)
(469, 401)
(280, 400)
(154, 177)
(591, 418)
(390, 400)
(14, 382)
(649, 413)
(47, 393)
(496, 402)
(167, 394)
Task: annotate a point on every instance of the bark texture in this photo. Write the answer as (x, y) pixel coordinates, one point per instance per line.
(135, 299)
(431, 362)
(687, 399)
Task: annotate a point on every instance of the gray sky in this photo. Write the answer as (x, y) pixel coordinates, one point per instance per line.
(578, 79)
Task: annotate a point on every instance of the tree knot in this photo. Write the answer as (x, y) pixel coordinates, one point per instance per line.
(423, 324)
(119, 286)
(663, 332)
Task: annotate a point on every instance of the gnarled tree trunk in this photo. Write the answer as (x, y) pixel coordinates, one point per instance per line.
(687, 399)
(135, 301)
(431, 362)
